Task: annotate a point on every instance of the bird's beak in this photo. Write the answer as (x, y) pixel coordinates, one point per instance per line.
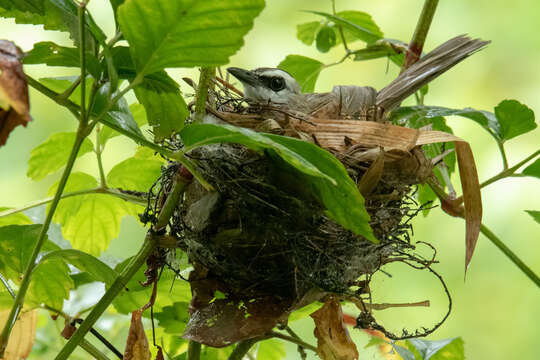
(245, 76)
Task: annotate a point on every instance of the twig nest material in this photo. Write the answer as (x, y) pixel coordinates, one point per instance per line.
(263, 241)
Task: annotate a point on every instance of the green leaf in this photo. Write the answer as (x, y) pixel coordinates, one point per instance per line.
(305, 70)
(533, 169)
(135, 173)
(137, 113)
(170, 290)
(164, 104)
(514, 118)
(174, 318)
(50, 284)
(304, 312)
(271, 350)
(535, 214)
(373, 52)
(115, 4)
(326, 39)
(328, 179)
(359, 25)
(210, 353)
(447, 349)
(185, 33)
(6, 300)
(95, 268)
(14, 219)
(53, 15)
(89, 222)
(306, 32)
(53, 154)
(47, 52)
(485, 119)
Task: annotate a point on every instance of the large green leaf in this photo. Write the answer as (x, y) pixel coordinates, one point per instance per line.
(98, 270)
(304, 69)
(356, 24)
(89, 222)
(52, 54)
(53, 154)
(174, 318)
(165, 107)
(14, 219)
(533, 169)
(50, 284)
(271, 350)
(514, 119)
(535, 214)
(185, 33)
(136, 173)
(322, 172)
(53, 15)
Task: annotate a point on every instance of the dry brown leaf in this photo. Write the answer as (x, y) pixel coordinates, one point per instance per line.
(14, 103)
(373, 175)
(22, 335)
(333, 341)
(137, 347)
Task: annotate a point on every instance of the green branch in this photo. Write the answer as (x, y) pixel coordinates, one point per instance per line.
(82, 56)
(419, 37)
(241, 349)
(202, 93)
(98, 150)
(179, 186)
(513, 257)
(194, 350)
(510, 171)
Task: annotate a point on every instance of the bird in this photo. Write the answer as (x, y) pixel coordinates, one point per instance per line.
(277, 87)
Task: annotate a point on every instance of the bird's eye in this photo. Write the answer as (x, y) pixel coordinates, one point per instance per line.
(277, 83)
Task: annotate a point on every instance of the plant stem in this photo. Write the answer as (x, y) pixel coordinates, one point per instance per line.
(98, 150)
(510, 171)
(92, 350)
(419, 37)
(113, 192)
(340, 29)
(241, 349)
(513, 257)
(202, 93)
(500, 144)
(179, 185)
(82, 56)
(296, 341)
(194, 350)
(119, 284)
(19, 299)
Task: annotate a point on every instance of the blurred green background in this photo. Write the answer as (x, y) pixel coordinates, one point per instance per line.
(496, 309)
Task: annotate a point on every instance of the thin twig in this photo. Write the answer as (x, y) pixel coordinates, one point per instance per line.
(299, 342)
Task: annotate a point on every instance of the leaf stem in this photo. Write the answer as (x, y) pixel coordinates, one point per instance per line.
(340, 29)
(108, 191)
(513, 257)
(241, 349)
(509, 171)
(419, 37)
(19, 299)
(194, 350)
(294, 340)
(202, 93)
(82, 55)
(98, 150)
(500, 144)
(129, 271)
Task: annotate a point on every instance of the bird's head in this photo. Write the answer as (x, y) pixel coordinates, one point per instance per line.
(267, 84)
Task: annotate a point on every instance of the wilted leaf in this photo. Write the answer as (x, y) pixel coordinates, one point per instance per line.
(326, 39)
(173, 319)
(166, 33)
(137, 347)
(514, 119)
(535, 214)
(325, 175)
(22, 335)
(533, 169)
(305, 70)
(14, 103)
(333, 340)
(271, 350)
(52, 54)
(89, 222)
(14, 219)
(447, 349)
(53, 154)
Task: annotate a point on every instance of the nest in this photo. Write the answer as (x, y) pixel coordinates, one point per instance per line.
(264, 240)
